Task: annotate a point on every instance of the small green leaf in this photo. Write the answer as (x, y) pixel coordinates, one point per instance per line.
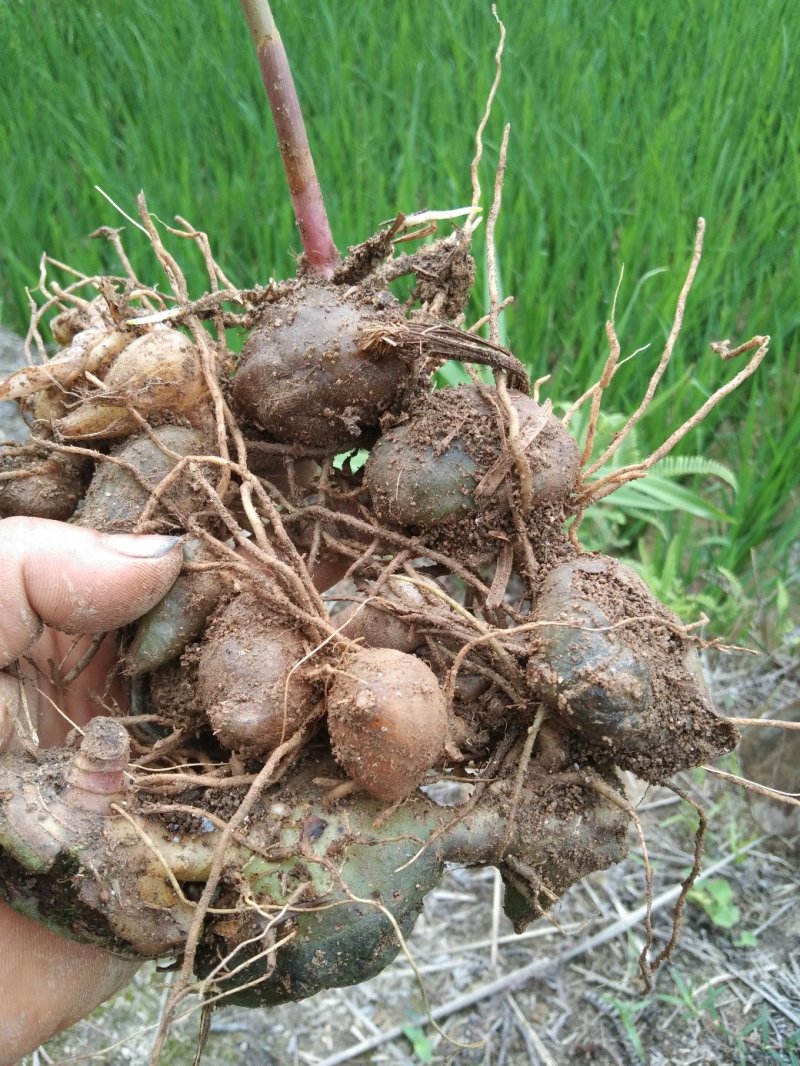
(422, 1046)
(720, 890)
(746, 939)
(715, 896)
(358, 459)
(736, 587)
(355, 460)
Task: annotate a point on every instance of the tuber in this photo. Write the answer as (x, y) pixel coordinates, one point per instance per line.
(439, 465)
(305, 375)
(387, 721)
(252, 695)
(616, 666)
(159, 371)
(100, 873)
(120, 491)
(39, 483)
(380, 622)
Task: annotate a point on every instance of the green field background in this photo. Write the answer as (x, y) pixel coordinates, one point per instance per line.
(628, 120)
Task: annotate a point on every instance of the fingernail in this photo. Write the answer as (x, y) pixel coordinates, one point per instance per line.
(147, 546)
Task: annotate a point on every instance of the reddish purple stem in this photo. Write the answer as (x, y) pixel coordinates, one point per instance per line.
(304, 187)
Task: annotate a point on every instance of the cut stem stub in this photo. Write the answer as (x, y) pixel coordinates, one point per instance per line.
(96, 778)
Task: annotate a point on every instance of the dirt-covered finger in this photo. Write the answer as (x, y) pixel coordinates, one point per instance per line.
(76, 580)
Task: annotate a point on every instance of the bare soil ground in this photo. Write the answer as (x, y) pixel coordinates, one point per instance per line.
(565, 994)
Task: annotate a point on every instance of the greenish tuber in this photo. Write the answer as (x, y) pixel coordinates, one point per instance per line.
(116, 498)
(165, 631)
(616, 666)
(441, 464)
(96, 871)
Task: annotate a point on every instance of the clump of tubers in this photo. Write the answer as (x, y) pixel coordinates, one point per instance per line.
(473, 622)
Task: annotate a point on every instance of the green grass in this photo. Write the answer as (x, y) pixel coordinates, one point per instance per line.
(628, 121)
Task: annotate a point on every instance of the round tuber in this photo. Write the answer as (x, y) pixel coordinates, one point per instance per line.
(387, 720)
(306, 377)
(439, 465)
(252, 698)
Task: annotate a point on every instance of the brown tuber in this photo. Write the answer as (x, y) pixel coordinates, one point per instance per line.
(306, 377)
(387, 720)
(159, 371)
(116, 498)
(40, 485)
(253, 699)
(380, 622)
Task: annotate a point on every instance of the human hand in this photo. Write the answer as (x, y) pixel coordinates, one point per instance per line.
(56, 581)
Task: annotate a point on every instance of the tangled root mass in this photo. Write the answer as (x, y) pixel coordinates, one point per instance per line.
(269, 761)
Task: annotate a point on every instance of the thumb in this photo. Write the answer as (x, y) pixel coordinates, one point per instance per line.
(76, 580)
(49, 983)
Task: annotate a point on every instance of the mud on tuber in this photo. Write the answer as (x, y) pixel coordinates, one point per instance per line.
(256, 807)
